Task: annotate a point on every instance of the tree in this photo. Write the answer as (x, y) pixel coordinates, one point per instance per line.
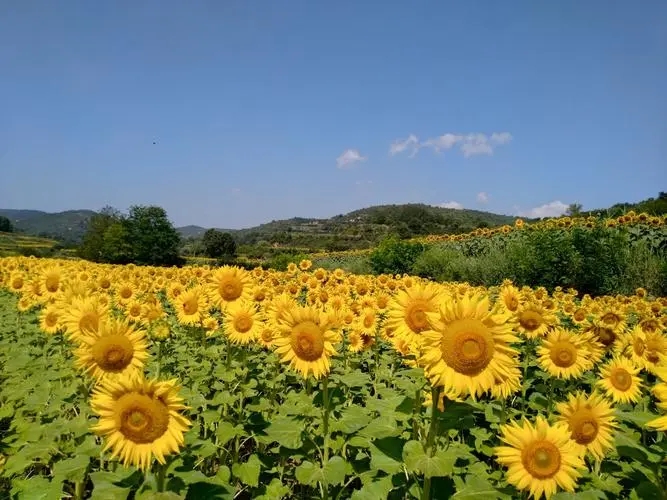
(574, 209)
(218, 244)
(6, 225)
(92, 244)
(154, 239)
(116, 244)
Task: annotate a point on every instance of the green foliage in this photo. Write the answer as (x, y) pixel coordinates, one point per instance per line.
(280, 261)
(394, 256)
(218, 244)
(6, 225)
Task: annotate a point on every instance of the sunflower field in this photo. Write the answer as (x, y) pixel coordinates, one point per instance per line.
(122, 382)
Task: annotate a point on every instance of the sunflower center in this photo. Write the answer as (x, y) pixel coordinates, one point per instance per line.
(140, 418)
(230, 288)
(530, 320)
(467, 346)
(610, 319)
(17, 283)
(243, 323)
(415, 316)
(541, 459)
(584, 426)
(307, 341)
(563, 354)
(125, 292)
(105, 283)
(190, 306)
(135, 310)
(512, 303)
(621, 379)
(113, 353)
(51, 319)
(606, 336)
(89, 322)
(52, 283)
(368, 321)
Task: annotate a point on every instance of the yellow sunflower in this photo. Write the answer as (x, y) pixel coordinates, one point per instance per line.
(190, 306)
(534, 320)
(306, 341)
(228, 284)
(540, 458)
(407, 311)
(49, 319)
(83, 316)
(115, 349)
(564, 354)
(140, 419)
(591, 422)
(646, 348)
(620, 381)
(469, 346)
(510, 297)
(242, 322)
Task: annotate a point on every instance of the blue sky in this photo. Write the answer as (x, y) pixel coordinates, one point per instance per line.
(269, 110)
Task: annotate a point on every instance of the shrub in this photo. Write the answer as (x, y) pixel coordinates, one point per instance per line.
(394, 256)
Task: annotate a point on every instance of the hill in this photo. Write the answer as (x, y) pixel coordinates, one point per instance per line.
(16, 243)
(68, 226)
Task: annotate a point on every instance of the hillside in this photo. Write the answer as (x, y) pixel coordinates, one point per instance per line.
(16, 243)
(66, 226)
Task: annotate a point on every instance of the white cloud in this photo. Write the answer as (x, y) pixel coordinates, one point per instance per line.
(451, 204)
(553, 209)
(482, 197)
(469, 144)
(400, 145)
(349, 157)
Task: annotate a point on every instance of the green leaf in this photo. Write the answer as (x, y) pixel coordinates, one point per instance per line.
(374, 490)
(104, 487)
(37, 488)
(476, 488)
(387, 455)
(381, 427)
(285, 431)
(275, 490)
(639, 418)
(354, 379)
(351, 420)
(628, 447)
(248, 472)
(226, 432)
(209, 491)
(155, 495)
(332, 473)
(417, 460)
(72, 469)
(589, 494)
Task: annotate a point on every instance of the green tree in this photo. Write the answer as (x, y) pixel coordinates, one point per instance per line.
(116, 244)
(92, 245)
(574, 209)
(218, 244)
(6, 225)
(154, 239)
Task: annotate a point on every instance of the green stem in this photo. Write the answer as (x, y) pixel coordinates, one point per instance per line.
(159, 357)
(79, 489)
(161, 475)
(431, 447)
(325, 431)
(415, 413)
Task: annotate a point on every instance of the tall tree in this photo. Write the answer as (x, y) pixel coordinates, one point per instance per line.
(6, 225)
(574, 209)
(218, 244)
(92, 245)
(154, 239)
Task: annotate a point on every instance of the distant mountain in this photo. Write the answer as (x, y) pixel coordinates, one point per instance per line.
(68, 226)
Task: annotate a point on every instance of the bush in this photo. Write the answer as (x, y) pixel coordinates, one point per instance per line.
(280, 262)
(394, 256)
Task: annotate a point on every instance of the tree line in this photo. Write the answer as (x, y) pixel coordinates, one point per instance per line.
(144, 236)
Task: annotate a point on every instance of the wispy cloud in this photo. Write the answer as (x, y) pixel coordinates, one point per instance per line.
(472, 144)
(553, 209)
(451, 204)
(349, 157)
(400, 145)
(482, 197)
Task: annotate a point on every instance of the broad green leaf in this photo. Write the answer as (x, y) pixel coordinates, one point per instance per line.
(286, 431)
(275, 490)
(387, 454)
(37, 488)
(248, 472)
(354, 379)
(209, 491)
(381, 427)
(72, 469)
(351, 420)
(374, 490)
(639, 418)
(104, 487)
(332, 473)
(417, 460)
(589, 494)
(227, 431)
(476, 488)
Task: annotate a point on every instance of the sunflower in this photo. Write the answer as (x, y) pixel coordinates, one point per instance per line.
(407, 311)
(506, 384)
(115, 349)
(614, 321)
(540, 458)
(125, 292)
(306, 341)
(49, 319)
(134, 310)
(83, 316)
(228, 284)
(619, 380)
(511, 297)
(354, 341)
(305, 264)
(51, 280)
(590, 420)
(645, 348)
(140, 419)
(534, 320)
(16, 282)
(242, 323)
(564, 354)
(468, 348)
(190, 306)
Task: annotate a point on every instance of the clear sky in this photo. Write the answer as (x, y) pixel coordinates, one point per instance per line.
(264, 110)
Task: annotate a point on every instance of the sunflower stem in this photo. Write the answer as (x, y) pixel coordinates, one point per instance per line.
(431, 447)
(325, 431)
(79, 489)
(161, 474)
(159, 358)
(415, 413)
